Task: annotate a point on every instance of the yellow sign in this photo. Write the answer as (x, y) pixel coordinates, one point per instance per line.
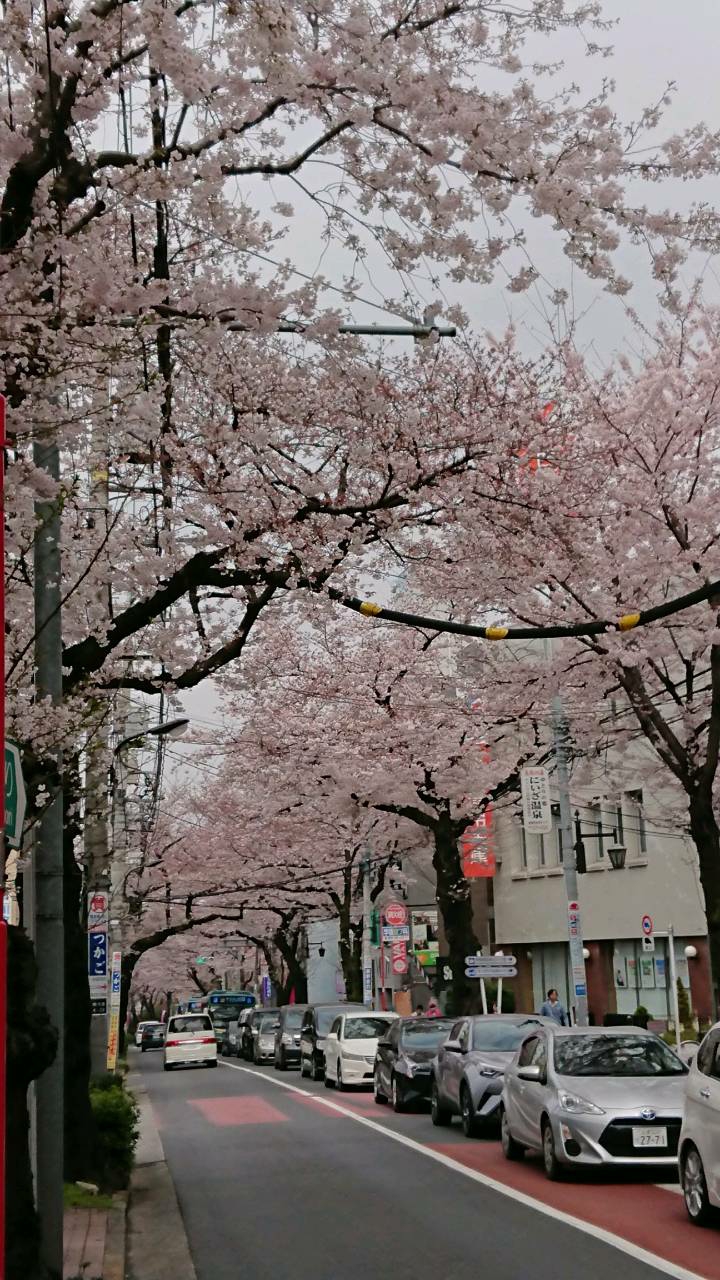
(113, 1033)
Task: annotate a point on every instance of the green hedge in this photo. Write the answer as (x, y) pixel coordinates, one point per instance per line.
(116, 1119)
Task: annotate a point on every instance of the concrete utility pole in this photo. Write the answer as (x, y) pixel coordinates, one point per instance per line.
(49, 929)
(575, 936)
(367, 959)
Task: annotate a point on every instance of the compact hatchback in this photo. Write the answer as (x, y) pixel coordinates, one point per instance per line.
(153, 1036)
(190, 1041)
(287, 1036)
(403, 1070)
(467, 1074)
(699, 1155)
(593, 1096)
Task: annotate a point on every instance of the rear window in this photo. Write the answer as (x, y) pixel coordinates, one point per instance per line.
(191, 1022)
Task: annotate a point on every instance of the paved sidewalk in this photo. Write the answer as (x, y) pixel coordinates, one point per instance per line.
(94, 1242)
(157, 1243)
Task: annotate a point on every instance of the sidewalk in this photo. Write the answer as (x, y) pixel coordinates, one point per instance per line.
(156, 1240)
(94, 1242)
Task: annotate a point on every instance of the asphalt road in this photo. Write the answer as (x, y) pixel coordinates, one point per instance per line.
(275, 1184)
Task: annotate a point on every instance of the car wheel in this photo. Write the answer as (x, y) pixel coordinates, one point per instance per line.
(167, 1066)
(470, 1123)
(256, 1056)
(512, 1150)
(340, 1082)
(553, 1168)
(439, 1114)
(316, 1073)
(694, 1185)
(213, 1063)
(399, 1103)
(142, 1048)
(329, 1082)
(378, 1094)
(281, 1061)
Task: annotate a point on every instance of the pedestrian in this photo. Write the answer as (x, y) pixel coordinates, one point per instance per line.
(419, 1010)
(433, 1009)
(552, 1008)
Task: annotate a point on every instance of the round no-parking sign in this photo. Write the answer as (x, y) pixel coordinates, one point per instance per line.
(647, 926)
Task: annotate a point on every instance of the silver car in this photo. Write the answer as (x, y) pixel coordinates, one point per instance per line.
(467, 1074)
(593, 1096)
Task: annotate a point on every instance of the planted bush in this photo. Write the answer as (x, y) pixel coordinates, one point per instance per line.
(116, 1118)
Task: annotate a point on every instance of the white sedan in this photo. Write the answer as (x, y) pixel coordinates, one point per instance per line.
(139, 1031)
(351, 1046)
(190, 1040)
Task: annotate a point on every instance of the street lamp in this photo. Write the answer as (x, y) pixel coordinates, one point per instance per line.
(166, 729)
(616, 852)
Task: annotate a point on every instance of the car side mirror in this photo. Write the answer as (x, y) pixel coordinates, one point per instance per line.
(453, 1046)
(531, 1073)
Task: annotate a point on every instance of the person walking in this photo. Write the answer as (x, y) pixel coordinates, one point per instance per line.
(433, 1010)
(552, 1008)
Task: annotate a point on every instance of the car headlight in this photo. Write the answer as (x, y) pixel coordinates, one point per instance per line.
(354, 1057)
(578, 1106)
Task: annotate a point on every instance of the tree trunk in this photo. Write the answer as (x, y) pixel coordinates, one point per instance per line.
(706, 837)
(350, 947)
(31, 1045)
(80, 1156)
(453, 899)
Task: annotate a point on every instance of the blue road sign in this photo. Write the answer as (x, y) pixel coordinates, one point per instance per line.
(97, 954)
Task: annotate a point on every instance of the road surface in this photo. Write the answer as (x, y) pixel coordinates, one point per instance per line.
(281, 1179)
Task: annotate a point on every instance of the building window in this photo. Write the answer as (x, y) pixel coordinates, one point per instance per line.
(637, 820)
(523, 849)
(541, 850)
(619, 826)
(596, 818)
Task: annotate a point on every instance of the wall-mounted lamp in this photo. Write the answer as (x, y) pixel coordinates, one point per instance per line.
(586, 954)
(691, 952)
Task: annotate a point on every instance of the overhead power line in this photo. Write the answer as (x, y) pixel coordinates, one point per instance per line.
(596, 627)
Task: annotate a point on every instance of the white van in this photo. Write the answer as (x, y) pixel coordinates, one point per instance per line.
(190, 1039)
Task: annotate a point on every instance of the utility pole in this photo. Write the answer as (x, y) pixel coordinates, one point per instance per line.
(49, 930)
(575, 936)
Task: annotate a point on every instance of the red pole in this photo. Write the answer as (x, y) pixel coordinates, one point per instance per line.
(3, 926)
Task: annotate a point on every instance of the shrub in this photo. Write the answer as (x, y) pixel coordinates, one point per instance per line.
(641, 1016)
(116, 1119)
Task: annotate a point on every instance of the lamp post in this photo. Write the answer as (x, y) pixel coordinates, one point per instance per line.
(616, 852)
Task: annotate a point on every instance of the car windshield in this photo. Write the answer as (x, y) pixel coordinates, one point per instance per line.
(615, 1056)
(268, 1024)
(294, 1020)
(325, 1019)
(426, 1035)
(498, 1037)
(193, 1022)
(365, 1028)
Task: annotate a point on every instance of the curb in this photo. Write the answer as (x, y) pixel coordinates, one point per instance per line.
(116, 1238)
(157, 1244)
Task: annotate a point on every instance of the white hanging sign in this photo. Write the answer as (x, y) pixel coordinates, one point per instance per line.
(535, 790)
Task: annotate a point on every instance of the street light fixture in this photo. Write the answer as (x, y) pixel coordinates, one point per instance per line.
(617, 853)
(166, 729)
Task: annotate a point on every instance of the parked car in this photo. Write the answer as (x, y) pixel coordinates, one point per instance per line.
(230, 1041)
(190, 1040)
(139, 1031)
(403, 1070)
(287, 1036)
(250, 1030)
(351, 1045)
(467, 1074)
(593, 1096)
(264, 1028)
(153, 1036)
(242, 1022)
(699, 1154)
(316, 1023)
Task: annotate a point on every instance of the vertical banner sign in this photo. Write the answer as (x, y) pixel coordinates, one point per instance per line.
(537, 811)
(477, 847)
(577, 961)
(396, 916)
(98, 906)
(114, 1025)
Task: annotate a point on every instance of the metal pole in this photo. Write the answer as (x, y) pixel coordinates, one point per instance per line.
(673, 985)
(50, 946)
(483, 996)
(575, 935)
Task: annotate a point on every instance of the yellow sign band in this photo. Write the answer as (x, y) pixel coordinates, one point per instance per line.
(369, 609)
(628, 621)
(495, 633)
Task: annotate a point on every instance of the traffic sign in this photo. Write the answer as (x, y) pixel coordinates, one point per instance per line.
(648, 944)
(647, 926)
(499, 962)
(508, 971)
(15, 797)
(490, 967)
(396, 933)
(395, 913)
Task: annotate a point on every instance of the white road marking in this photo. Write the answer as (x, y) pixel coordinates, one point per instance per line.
(607, 1237)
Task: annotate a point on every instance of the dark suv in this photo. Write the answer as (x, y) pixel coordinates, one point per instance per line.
(287, 1036)
(316, 1023)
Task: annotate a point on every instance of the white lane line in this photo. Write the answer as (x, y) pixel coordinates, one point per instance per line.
(607, 1237)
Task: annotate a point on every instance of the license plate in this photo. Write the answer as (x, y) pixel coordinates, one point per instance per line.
(649, 1137)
